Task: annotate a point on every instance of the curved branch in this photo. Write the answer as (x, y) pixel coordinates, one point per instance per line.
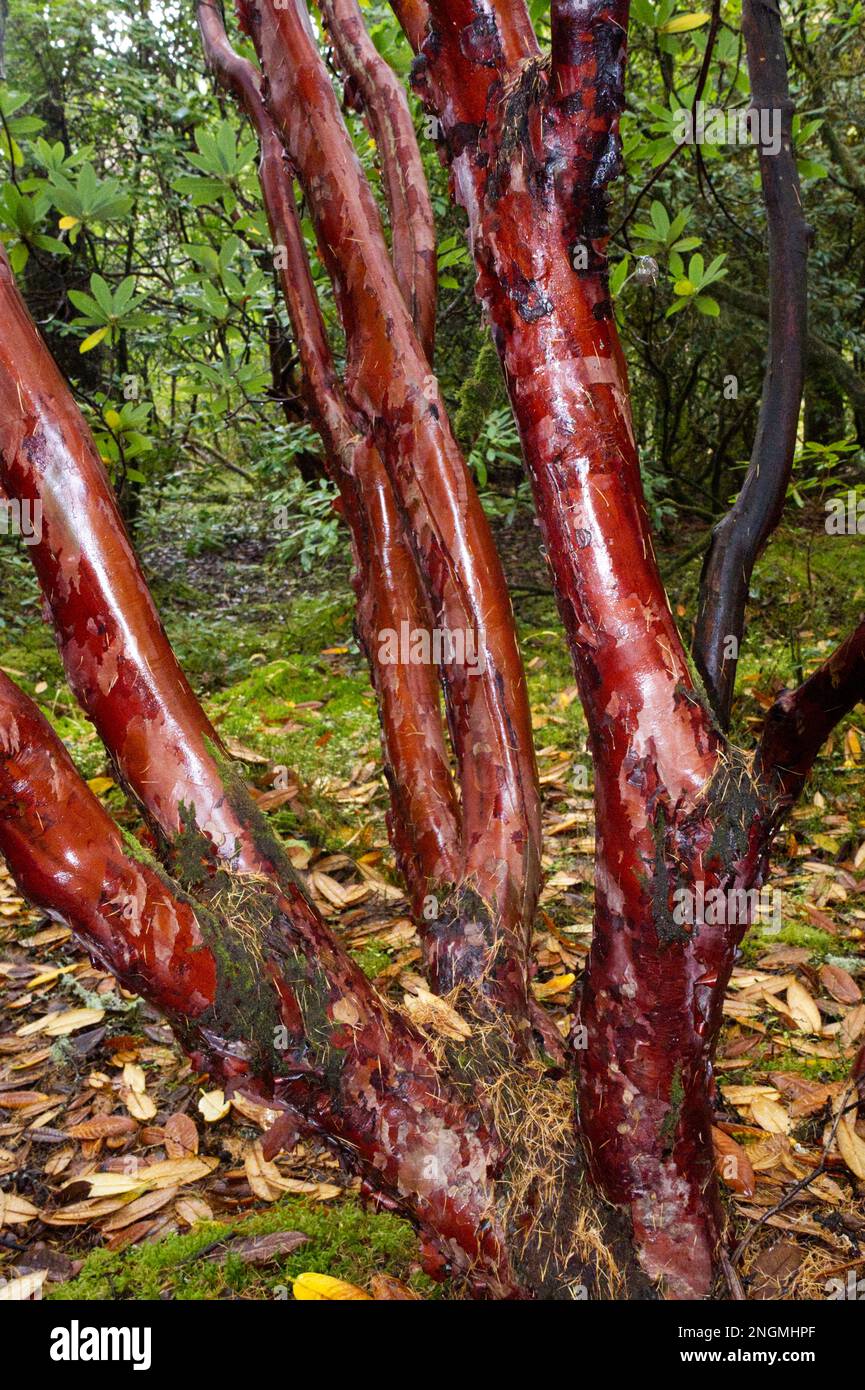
(425, 821)
(801, 720)
(409, 206)
(388, 376)
(740, 536)
(261, 1002)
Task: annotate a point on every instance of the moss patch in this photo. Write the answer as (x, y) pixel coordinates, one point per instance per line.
(344, 1241)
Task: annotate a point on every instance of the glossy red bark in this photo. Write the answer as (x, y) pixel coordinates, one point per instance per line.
(271, 1008)
(478, 868)
(372, 1085)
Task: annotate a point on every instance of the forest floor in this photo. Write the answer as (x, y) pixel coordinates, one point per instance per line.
(122, 1176)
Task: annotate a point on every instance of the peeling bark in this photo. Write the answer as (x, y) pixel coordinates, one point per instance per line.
(486, 880)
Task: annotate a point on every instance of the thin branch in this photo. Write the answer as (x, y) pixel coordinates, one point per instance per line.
(738, 539)
(409, 205)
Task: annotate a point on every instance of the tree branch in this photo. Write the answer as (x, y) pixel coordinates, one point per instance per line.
(801, 720)
(410, 209)
(261, 1000)
(740, 536)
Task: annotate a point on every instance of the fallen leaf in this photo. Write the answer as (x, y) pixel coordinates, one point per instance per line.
(170, 1172)
(385, 1287)
(260, 1250)
(59, 1025)
(103, 1127)
(803, 1008)
(851, 1147)
(429, 1011)
(15, 1210)
(840, 984)
(733, 1164)
(181, 1136)
(771, 1116)
(213, 1106)
(321, 1288)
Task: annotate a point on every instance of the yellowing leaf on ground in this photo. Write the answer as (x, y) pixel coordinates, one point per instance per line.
(803, 1008)
(851, 1147)
(548, 989)
(59, 1025)
(149, 1177)
(213, 1106)
(322, 1288)
(770, 1116)
(15, 1210)
(140, 1105)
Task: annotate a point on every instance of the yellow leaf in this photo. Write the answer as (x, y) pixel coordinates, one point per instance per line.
(112, 419)
(321, 1288)
(557, 985)
(803, 1009)
(213, 1106)
(140, 1106)
(151, 1177)
(851, 1147)
(681, 22)
(134, 1078)
(58, 1025)
(15, 1210)
(98, 785)
(94, 340)
(770, 1116)
(66, 223)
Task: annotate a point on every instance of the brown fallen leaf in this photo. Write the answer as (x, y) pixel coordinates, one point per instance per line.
(181, 1136)
(429, 1011)
(139, 1209)
(853, 1026)
(840, 984)
(191, 1210)
(851, 1147)
(385, 1287)
(259, 1250)
(732, 1164)
(15, 1210)
(103, 1127)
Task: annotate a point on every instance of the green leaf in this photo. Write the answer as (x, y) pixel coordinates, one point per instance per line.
(708, 306)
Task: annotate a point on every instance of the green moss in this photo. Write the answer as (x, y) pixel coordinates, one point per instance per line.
(760, 940)
(372, 958)
(344, 1242)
